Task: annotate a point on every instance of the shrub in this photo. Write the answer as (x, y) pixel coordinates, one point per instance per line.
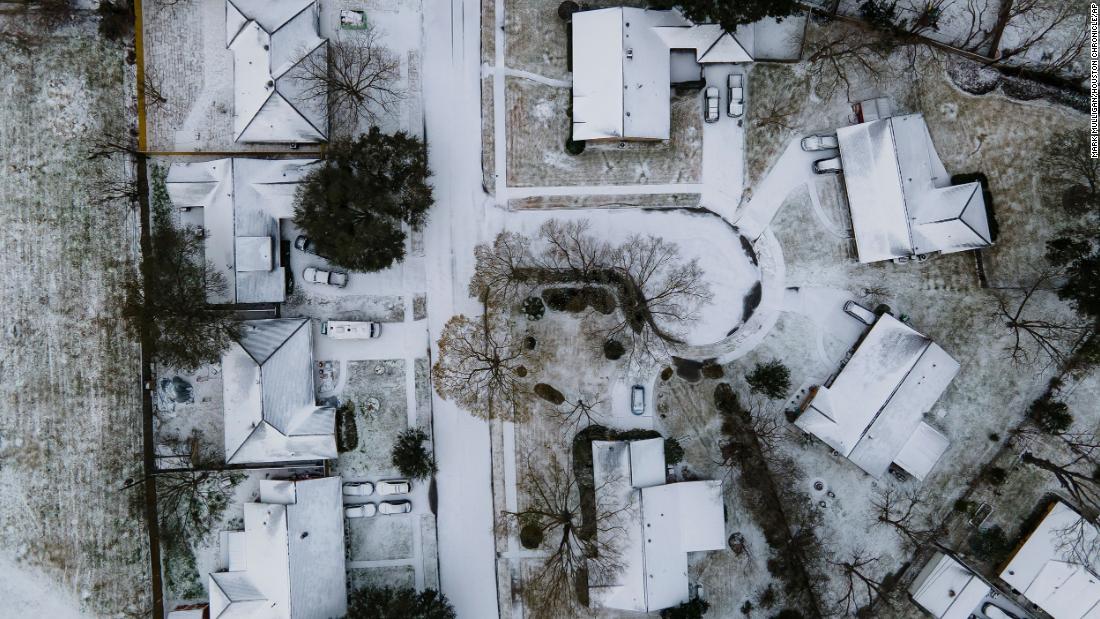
(533, 308)
(771, 379)
(411, 457)
(564, 299)
(530, 536)
(613, 349)
(573, 147)
(788, 613)
(674, 452)
(989, 544)
(1051, 416)
(666, 373)
(767, 597)
(694, 608)
(549, 394)
(746, 608)
(530, 343)
(996, 475)
(347, 432)
(713, 370)
(390, 603)
(116, 19)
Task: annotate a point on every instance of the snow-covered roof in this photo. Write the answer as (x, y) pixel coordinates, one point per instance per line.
(877, 401)
(621, 69)
(922, 451)
(243, 201)
(900, 196)
(187, 613)
(293, 558)
(947, 589)
(1048, 570)
(271, 412)
(269, 39)
(657, 525)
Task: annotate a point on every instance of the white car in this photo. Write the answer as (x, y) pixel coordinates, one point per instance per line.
(736, 89)
(389, 508)
(393, 486)
(363, 488)
(637, 399)
(710, 104)
(321, 276)
(365, 510)
(825, 141)
(860, 313)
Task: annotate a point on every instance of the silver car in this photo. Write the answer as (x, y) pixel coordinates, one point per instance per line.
(365, 510)
(736, 91)
(314, 275)
(710, 104)
(393, 486)
(389, 508)
(829, 165)
(637, 400)
(825, 141)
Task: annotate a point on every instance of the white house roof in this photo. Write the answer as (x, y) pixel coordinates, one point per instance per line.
(922, 451)
(621, 69)
(243, 201)
(271, 413)
(293, 558)
(947, 589)
(659, 525)
(900, 196)
(1047, 570)
(879, 398)
(269, 39)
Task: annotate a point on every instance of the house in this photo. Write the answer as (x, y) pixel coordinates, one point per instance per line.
(657, 525)
(271, 411)
(947, 589)
(1054, 567)
(288, 562)
(270, 39)
(622, 68)
(872, 411)
(243, 203)
(900, 196)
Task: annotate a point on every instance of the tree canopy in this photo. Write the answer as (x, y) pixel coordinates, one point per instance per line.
(355, 204)
(730, 15)
(771, 378)
(391, 603)
(411, 457)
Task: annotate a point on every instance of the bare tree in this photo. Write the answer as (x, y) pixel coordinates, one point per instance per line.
(577, 414)
(575, 548)
(191, 502)
(1035, 340)
(862, 590)
(483, 367)
(151, 87)
(113, 141)
(904, 512)
(1035, 22)
(841, 55)
(1082, 486)
(358, 77)
(499, 269)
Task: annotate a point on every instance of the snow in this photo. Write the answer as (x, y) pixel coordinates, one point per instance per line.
(29, 593)
(947, 589)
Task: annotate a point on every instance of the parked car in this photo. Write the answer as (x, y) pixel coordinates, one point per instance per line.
(710, 104)
(389, 508)
(736, 89)
(860, 313)
(637, 400)
(823, 141)
(314, 275)
(361, 488)
(993, 611)
(830, 165)
(350, 330)
(304, 243)
(393, 486)
(365, 510)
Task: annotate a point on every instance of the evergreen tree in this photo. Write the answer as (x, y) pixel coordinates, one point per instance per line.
(353, 206)
(772, 379)
(411, 457)
(391, 603)
(694, 608)
(731, 14)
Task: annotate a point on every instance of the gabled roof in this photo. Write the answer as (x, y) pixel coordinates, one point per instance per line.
(242, 201)
(879, 398)
(271, 414)
(269, 38)
(293, 556)
(1048, 568)
(948, 589)
(899, 193)
(656, 525)
(621, 69)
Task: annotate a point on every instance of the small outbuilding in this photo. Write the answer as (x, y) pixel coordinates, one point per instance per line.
(947, 589)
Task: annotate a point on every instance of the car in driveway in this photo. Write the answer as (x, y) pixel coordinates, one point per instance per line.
(304, 243)
(710, 104)
(389, 508)
(339, 279)
(735, 86)
(393, 486)
(821, 141)
(829, 165)
(361, 488)
(637, 400)
(350, 330)
(365, 510)
(860, 313)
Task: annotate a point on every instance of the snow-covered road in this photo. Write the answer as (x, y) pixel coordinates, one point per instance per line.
(453, 125)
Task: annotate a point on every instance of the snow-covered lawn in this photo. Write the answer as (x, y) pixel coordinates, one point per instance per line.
(70, 418)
